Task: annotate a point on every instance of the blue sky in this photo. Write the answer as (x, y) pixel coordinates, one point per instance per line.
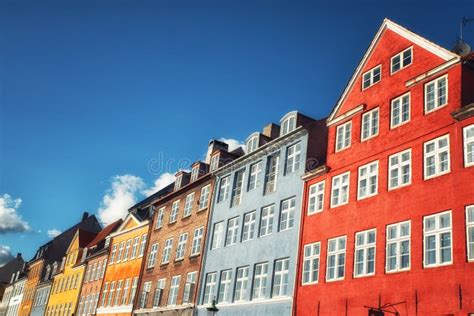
(92, 91)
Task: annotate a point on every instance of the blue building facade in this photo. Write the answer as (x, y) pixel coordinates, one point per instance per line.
(40, 300)
(250, 263)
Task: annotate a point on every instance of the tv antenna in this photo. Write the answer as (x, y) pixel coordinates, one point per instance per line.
(463, 24)
(462, 48)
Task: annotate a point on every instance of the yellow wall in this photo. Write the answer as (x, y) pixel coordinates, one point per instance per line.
(67, 284)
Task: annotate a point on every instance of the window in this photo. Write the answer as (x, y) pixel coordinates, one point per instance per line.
(241, 283)
(174, 289)
(127, 250)
(271, 174)
(248, 230)
(159, 217)
(217, 237)
(400, 111)
(254, 175)
(189, 287)
(214, 162)
(111, 293)
(340, 189)
(210, 289)
(125, 292)
(224, 189)
(145, 292)
(401, 60)
(293, 153)
(316, 198)
(438, 241)
(266, 220)
(368, 178)
(371, 77)
(112, 254)
(195, 173)
(237, 189)
(136, 241)
(152, 256)
(280, 278)
(364, 260)
(399, 169)
(436, 94)
(118, 293)
(437, 157)
(370, 124)
(181, 249)
(288, 124)
(468, 132)
(160, 286)
(343, 136)
(188, 205)
(167, 251)
(336, 261)
(252, 143)
(470, 232)
(174, 211)
(204, 199)
(311, 263)
(287, 214)
(134, 290)
(197, 240)
(232, 231)
(142, 246)
(260, 281)
(398, 247)
(225, 286)
(103, 268)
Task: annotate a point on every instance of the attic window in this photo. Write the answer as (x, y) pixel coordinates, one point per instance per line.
(177, 183)
(195, 173)
(215, 162)
(371, 77)
(401, 60)
(252, 144)
(288, 124)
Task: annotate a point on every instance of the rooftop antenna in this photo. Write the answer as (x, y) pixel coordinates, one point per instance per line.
(462, 48)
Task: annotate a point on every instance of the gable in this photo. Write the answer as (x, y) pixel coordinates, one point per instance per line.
(390, 40)
(130, 222)
(74, 243)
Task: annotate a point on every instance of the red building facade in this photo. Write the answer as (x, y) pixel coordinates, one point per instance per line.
(388, 220)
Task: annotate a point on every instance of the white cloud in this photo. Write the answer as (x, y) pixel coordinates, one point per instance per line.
(5, 255)
(120, 197)
(233, 143)
(10, 220)
(160, 183)
(53, 232)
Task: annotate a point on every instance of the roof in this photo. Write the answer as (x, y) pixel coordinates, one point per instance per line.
(104, 233)
(13, 266)
(415, 38)
(153, 197)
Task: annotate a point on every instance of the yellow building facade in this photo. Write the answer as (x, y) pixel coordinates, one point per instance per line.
(67, 281)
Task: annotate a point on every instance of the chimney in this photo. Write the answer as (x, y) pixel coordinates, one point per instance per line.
(18, 255)
(214, 145)
(85, 216)
(271, 130)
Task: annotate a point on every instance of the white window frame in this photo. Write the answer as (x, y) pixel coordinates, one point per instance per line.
(403, 65)
(288, 124)
(364, 248)
(191, 280)
(468, 141)
(174, 211)
(293, 157)
(267, 220)
(224, 189)
(181, 248)
(337, 252)
(372, 81)
(174, 290)
(255, 171)
(215, 159)
(316, 197)
(399, 102)
(399, 167)
(397, 240)
(152, 255)
(160, 217)
(340, 186)
(249, 226)
(167, 251)
(218, 235)
(241, 284)
(342, 138)
(252, 144)
(271, 173)
(436, 154)
(281, 278)
(311, 263)
(437, 104)
(136, 243)
(225, 287)
(237, 188)
(469, 227)
(437, 232)
(287, 214)
(210, 288)
(197, 241)
(370, 121)
(188, 205)
(368, 177)
(126, 254)
(204, 197)
(232, 233)
(260, 279)
(141, 251)
(195, 173)
(120, 252)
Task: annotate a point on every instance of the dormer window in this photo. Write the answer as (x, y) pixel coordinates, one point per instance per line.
(252, 143)
(288, 124)
(401, 60)
(195, 173)
(177, 183)
(215, 162)
(371, 77)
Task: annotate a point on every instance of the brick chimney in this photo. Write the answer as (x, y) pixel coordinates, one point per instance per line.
(215, 144)
(271, 130)
(85, 215)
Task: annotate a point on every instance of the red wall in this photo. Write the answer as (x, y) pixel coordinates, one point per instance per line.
(437, 289)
